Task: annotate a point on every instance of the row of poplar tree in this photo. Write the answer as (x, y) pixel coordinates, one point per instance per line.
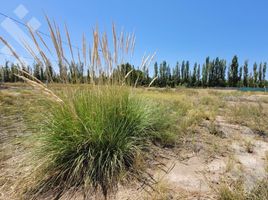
(213, 73)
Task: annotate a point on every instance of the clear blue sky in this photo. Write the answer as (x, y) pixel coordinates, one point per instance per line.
(176, 29)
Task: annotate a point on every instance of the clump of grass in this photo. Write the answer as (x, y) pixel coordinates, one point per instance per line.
(249, 146)
(93, 138)
(231, 190)
(161, 191)
(236, 191)
(254, 116)
(214, 130)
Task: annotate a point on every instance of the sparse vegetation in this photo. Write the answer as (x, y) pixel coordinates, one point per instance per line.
(236, 191)
(170, 119)
(253, 115)
(233, 191)
(161, 192)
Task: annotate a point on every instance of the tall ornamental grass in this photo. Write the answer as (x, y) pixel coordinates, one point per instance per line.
(90, 139)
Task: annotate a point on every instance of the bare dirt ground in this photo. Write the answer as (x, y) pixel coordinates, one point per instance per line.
(241, 154)
(219, 150)
(198, 177)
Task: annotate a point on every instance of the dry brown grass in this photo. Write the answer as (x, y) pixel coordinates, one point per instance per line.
(234, 190)
(253, 115)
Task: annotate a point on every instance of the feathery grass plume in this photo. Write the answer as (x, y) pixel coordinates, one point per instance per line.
(145, 62)
(43, 42)
(101, 62)
(12, 51)
(115, 44)
(51, 95)
(152, 81)
(34, 82)
(46, 62)
(69, 42)
(84, 44)
(57, 42)
(133, 42)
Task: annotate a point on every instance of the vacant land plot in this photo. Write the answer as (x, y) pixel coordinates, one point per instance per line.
(216, 147)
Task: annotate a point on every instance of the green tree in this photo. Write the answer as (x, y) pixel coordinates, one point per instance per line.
(260, 76)
(222, 73)
(42, 76)
(183, 72)
(169, 77)
(177, 74)
(198, 76)
(245, 74)
(194, 76)
(155, 69)
(240, 73)
(255, 75)
(187, 72)
(88, 76)
(234, 72)
(163, 74)
(204, 75)
(13, 72)
(211, 73)
(6, 72)
(36, 71)
(264, 71)
(156, 74)
(251, 81)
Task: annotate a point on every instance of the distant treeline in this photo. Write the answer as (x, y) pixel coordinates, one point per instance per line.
(213, 73)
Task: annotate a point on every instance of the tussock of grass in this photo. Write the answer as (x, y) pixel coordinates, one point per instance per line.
(236, 191)
(254, 116)
(214, 130)
(233, 192)
(161, 191)
(93, 139)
